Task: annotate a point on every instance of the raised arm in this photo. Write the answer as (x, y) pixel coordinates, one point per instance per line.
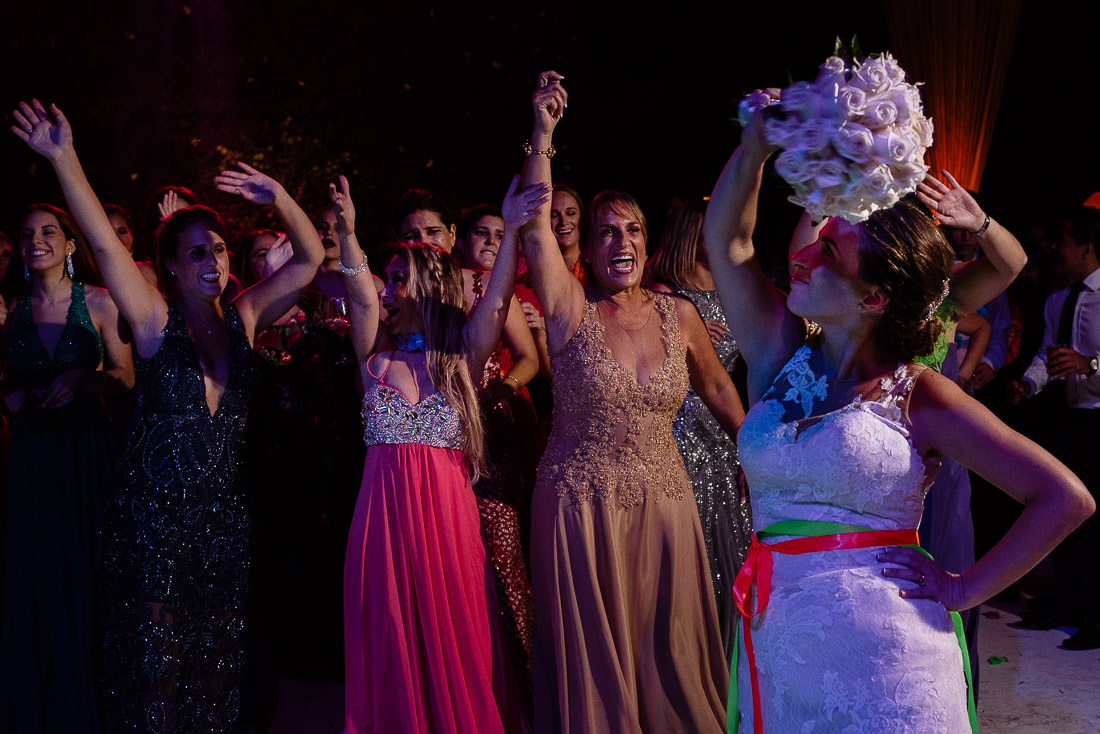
(947, 421)
(362, 295)
(485, 326)
(983, 280)
(139, 302)
(560, 294)
(263, 303)
(766, 332)
(979, 331)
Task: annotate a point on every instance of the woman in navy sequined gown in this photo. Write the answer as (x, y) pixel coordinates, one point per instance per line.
(418, 617)
(175, 547)
(62, 350)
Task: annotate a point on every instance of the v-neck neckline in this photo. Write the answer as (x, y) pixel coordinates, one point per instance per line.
(64, 326)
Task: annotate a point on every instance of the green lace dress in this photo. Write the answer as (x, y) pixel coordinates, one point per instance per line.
(62, 465)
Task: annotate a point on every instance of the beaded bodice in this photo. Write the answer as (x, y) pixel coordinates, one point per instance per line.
(78, 346)
(389, 418)
(612, 437)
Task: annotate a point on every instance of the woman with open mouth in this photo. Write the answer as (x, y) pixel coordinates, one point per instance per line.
(175, 542)
(419, 640)
(626, 633)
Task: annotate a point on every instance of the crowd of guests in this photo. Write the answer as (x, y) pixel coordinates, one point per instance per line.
(544, 521)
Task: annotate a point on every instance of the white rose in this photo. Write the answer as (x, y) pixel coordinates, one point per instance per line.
(923, 130)
(880, 112)
(893, 149)
(780, 131)
(894, 72)
(830, 173)
(873, 75)
(852, 101)
(794, 166)
(876, 182)
(812, 136)
(795, 98)
(854, 142)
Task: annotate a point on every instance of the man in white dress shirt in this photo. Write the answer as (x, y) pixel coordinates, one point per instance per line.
(1068, 359)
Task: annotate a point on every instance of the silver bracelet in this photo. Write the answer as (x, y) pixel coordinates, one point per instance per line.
(983, 228)
(352, 272)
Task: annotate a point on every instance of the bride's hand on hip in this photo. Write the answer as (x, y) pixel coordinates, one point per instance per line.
(932, 582)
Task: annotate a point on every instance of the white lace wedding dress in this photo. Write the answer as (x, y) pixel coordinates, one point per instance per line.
(837, 649)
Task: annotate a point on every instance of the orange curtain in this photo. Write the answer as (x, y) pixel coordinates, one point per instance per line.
(960, 49)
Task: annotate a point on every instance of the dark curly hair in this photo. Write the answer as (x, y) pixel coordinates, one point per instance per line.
(904, 253)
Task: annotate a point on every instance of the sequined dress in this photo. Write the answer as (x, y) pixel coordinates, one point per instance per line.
(626, 633)
(418, 646)
(61, 468)
(837, 649)
(176, 546)
(710, 456)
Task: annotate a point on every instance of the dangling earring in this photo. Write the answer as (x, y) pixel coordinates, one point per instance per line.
(69, 265)
(859, 306)
(26, 274)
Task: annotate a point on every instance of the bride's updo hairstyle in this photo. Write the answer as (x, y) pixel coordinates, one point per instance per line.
(904, 253)
(436, 284)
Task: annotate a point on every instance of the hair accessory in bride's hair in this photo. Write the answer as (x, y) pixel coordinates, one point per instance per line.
(937, 302)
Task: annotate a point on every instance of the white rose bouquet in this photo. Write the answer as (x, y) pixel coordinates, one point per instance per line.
(853, 140)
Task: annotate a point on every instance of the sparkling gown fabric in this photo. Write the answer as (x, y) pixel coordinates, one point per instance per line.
(837, 649)
(418, 648)
(62, 464)
(626, 634)
(710, 456)
(176, 546)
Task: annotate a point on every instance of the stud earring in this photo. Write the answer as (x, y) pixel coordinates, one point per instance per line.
(859, 306)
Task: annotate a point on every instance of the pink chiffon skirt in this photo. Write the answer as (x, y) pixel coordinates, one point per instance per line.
(418, 645)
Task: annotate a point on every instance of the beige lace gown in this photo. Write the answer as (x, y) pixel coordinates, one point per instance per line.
(626, 630)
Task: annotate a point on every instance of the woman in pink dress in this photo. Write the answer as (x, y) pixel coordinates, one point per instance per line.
(418, 641)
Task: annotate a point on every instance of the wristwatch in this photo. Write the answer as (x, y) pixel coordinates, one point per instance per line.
(1094, 364)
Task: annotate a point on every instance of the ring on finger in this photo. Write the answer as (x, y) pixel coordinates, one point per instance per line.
(921, 580)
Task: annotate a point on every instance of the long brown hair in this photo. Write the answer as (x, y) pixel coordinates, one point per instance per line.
(674, 261)
(436, 284)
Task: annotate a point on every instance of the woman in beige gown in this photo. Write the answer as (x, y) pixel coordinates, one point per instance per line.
(626, 632)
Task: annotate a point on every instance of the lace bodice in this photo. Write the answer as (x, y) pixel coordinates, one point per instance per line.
(389, 418)
(612, 437)
(855, 464)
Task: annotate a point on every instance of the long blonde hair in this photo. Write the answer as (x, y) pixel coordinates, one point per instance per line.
(436, 284)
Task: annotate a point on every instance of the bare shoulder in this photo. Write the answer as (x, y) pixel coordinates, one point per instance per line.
(662, 288)
(99, 301)
(941, 414)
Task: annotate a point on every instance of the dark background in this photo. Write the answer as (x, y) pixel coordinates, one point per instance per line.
(437, 95)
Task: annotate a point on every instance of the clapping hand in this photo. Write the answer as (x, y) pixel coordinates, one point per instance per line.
(343, 206)
(520, 208)
(34, 127)
(549, 100)
(249, 183)
(953, 206)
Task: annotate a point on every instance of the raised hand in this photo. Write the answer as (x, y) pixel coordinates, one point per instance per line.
(549, 101)
(520, 208)
(168, 204)
(343, 206)
(953, 206)
(277, 255)
(50, 138)
(753, 138)
(249, 184)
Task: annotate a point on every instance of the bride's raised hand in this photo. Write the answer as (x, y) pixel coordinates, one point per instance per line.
(249, 184)
(45, 136)
(754, 141)
(953, 205)
(549, 101)
(523, 206)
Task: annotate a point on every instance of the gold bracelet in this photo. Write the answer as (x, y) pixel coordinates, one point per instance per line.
(528, 149)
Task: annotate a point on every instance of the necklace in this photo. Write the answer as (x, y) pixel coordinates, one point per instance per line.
(409, 342)
(611, 315)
